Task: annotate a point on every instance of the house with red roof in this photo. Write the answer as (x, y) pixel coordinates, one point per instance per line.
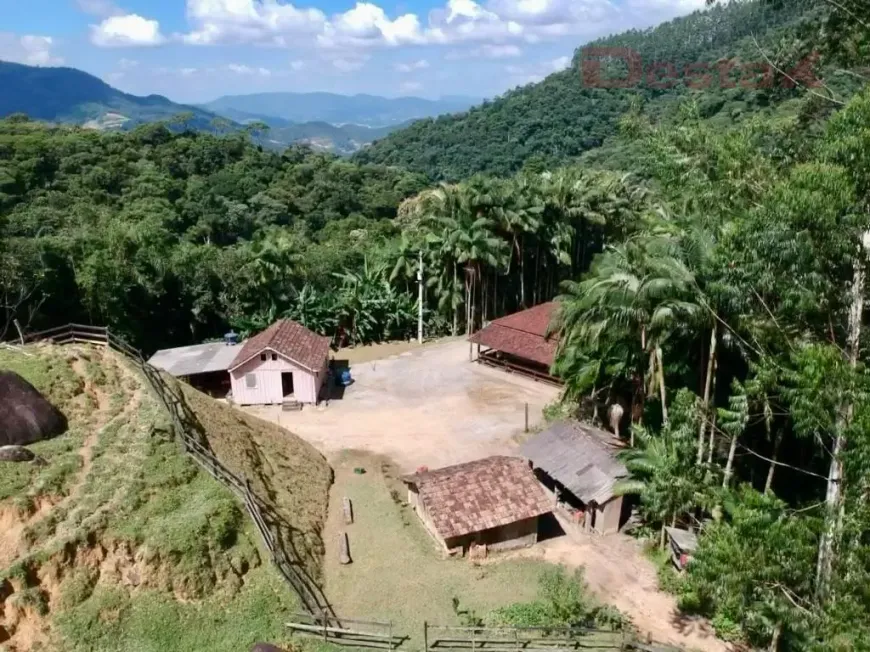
(520, 342)
(284, 363)
(494, 503)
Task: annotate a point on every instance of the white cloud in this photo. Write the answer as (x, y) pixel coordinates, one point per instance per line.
(101, 8)
(560, 63)
(241, 69)
(490, 51)
(345, 64)
(28, 48)
(411, 66)
(502, 25)
(127, 64)
(265, 22)
(130, 30)
(297, 65)
(411, 87)
(187, 72)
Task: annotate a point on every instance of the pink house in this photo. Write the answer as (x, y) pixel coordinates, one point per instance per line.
(286, 362)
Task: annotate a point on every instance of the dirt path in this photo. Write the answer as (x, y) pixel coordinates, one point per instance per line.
(618, 573)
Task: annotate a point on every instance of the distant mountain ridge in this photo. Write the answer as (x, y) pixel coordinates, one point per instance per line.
(365, 110)
(71, 96)
(68, 95)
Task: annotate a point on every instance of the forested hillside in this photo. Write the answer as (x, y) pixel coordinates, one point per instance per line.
(73, 96)
(560, 118)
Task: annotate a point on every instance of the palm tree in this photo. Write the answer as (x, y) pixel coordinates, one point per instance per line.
(639, 290)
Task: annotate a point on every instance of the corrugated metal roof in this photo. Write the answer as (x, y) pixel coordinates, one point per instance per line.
(480, 495)
(523, 334)
(196, 359)
(580, 457)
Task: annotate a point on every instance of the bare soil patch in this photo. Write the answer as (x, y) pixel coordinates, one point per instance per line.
(428, 406)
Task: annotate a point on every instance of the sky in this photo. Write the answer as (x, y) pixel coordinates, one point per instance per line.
(197, 50)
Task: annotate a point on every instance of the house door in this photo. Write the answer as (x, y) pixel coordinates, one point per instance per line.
(287, 383)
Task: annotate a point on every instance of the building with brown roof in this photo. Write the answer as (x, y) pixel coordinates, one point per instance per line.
(520, 342)
(286, 362)
(494, 502)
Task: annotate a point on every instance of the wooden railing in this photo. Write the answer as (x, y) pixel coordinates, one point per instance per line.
(351, 632)
(187, 428)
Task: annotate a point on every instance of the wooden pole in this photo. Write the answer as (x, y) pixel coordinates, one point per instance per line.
(527, 417)
(18, 328)
(391, 635)
(323, 616)
(425, 636)
(420, 301)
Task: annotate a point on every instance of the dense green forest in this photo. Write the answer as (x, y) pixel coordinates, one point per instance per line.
(717, 291)
(557, 120)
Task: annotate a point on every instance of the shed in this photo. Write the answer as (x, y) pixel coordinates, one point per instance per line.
(26, 416)
(495, 502)
(204, 366)
(520, 342)
(579, 464)
(285, 362)
(683, 546)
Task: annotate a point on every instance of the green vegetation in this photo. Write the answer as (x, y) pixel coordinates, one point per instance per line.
(551, 123)
(133, 544)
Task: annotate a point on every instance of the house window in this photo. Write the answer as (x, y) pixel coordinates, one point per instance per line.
(251, 381)
(274, 356)
(262, 357)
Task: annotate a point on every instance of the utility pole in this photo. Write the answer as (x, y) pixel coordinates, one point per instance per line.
(420, 301)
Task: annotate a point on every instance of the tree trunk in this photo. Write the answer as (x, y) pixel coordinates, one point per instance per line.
(522, 272)
(455, 308)
(729, 465)
(774, 640)
(834, 496)
(662, 541)
(712, 443)
(705, 403)
(660, 370)
(768, 485)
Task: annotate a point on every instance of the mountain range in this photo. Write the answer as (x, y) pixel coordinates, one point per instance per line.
(325, 121)
(365, 110)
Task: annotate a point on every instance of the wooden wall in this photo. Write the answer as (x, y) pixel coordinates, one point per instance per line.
(306, 385)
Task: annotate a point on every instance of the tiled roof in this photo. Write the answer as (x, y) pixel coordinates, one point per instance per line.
(581, 457)
(523, 334)
(480, 495)
(290, 339)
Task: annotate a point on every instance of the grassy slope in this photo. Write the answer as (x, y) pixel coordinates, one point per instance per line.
(133, 546)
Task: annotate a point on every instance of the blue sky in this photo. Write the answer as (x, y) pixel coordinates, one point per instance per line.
(196, 50)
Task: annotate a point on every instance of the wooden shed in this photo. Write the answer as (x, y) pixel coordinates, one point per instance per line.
(494, 502)
(286, 362)
(578, 464)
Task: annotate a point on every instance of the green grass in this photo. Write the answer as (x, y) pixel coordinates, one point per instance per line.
(204, 583)
(397, 573)
(112, 619)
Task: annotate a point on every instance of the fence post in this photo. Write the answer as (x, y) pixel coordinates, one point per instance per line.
(517, 637)
(425, 636)
(391, 635)
(473, 636)
(527, 417)
(323, 616)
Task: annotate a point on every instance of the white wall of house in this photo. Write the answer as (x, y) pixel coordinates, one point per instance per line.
(607, 516)
(258, 381)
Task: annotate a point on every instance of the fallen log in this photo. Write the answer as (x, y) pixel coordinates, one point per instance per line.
(343, 549)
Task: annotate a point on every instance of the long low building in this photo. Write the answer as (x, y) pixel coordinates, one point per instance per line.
(494, 502)
(520, 342)
(204, 366)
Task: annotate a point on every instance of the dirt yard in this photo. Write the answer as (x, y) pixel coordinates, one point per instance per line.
(430, 406)
(426, 406)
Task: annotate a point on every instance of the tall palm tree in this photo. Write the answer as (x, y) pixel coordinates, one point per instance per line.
(639, 290)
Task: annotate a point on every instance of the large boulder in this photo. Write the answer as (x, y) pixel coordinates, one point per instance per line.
(25, 414)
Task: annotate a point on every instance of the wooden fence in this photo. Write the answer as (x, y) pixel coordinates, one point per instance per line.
(521, 639)
(348, 631)
(187, 428)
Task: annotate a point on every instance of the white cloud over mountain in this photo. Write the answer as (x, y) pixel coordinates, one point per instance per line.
(277, 23)
(28, 48)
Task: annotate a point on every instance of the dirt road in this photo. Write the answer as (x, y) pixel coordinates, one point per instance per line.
(429, 406)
